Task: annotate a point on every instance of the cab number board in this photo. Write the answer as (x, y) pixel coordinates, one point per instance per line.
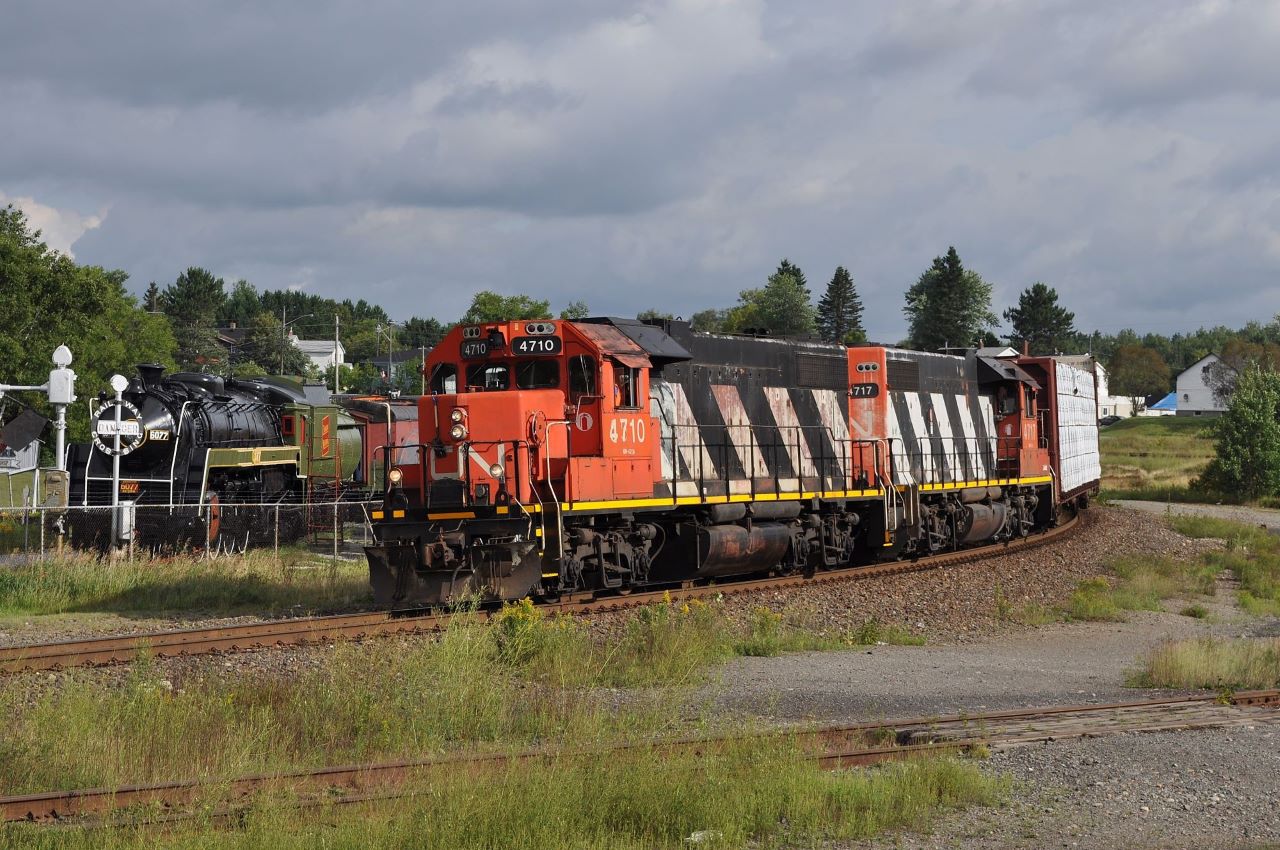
(536, 345)
(473, 348)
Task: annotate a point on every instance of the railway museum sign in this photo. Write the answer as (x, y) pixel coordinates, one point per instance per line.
(128, 424)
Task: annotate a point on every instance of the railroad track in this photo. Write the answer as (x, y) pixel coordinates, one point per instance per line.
(831, 748)
(309, 630)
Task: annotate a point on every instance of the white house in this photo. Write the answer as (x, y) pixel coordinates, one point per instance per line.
(321, 352)
(1195, 398)
(1108, 405)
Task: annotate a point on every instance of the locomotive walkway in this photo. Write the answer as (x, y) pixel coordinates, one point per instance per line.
(831, 748)
(309, 630)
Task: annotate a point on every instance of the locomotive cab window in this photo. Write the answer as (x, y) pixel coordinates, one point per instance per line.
(539, 374)
(626, 380)
(1006, 402)
(444, 379)
(488, 376)
(582, 375)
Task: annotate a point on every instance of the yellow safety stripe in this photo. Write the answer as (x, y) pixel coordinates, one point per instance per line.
(684, 501)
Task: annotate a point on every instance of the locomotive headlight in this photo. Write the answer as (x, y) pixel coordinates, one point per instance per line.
(457, 414)
(496, 471)
(458, 432)
(395, 476)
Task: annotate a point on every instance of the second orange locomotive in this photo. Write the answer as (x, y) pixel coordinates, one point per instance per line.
(560, 456)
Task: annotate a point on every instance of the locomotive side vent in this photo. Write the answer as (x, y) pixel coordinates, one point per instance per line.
(902, 376)
(819, 371)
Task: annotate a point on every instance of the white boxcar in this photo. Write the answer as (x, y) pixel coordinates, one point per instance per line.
(1077, 401)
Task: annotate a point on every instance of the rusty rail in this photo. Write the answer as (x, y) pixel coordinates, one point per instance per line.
(309, 630)
(831, 748)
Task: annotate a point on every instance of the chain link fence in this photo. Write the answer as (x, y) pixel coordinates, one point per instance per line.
(338, 529)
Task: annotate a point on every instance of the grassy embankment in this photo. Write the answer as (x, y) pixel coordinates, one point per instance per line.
(1144, 583)
(1155, 458)
(1253, 557)
(519, 681)
(256, 581)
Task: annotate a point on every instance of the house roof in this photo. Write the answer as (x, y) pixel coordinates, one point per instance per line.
(1201, 363)
(317, 347)
(1169, 402)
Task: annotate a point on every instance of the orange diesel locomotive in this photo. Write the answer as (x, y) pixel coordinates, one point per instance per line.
(564, 456)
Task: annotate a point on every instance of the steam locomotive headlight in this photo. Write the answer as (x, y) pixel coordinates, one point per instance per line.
(457, 414)
(496, 471)
(395, 476)
(458, 432)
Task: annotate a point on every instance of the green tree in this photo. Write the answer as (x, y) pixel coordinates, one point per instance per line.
(779, 308)
(651, 314)
(1238, 356)
(47, 300)
(1246, 458)
(195, 298)
(241, 307)
(1039, 321)
(267, 343)
(948, 306)
(488, 306)
(788, 267)
(151, 300)
(421, 333)
(839, 315)
(1137, 371)
(709, 321)
(575, 310)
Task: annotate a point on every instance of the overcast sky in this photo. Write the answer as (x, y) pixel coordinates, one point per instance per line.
(662, 154)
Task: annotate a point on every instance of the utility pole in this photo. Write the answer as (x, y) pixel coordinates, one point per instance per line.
(284, 336)
(424, 370)
(336, 366)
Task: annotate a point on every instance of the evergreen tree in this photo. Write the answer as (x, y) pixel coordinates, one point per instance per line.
(194, 298)
(1246, 459)
(651, 313)
(840, 310)
(710, 321)
(151, 301)
(788, 267)
(241, 307)
(420, 333)
(1039, 321)
(948, 306)
(268, 344)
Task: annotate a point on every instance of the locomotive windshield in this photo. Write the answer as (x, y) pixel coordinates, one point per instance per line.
(541, 374)
(488, 376)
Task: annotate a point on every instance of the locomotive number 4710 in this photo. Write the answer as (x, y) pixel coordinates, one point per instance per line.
(536, 345)
(627, 429)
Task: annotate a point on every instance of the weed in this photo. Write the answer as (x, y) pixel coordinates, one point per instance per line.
(1212, 663)
(1199, 612)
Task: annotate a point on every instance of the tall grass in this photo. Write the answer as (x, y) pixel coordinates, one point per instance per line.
(521, 678)
(1212, 663)
(257, 581)
(755, 795)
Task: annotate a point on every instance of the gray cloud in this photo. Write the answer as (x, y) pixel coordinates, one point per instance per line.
(664, 153)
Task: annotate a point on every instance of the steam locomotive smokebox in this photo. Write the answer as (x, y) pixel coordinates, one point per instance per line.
(723, 550)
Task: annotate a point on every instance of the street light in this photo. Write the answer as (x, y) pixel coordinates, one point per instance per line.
(284, 331)
(391, 340)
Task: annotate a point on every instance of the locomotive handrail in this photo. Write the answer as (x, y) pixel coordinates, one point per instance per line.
(177, 438)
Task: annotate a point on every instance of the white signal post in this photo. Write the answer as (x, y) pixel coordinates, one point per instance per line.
(61, 390)
(119, 383)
